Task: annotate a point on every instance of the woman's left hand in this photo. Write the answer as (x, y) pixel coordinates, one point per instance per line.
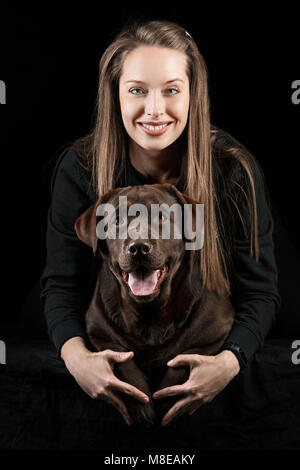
(208, 376)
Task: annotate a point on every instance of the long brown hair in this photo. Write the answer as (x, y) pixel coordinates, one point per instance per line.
(105, 149)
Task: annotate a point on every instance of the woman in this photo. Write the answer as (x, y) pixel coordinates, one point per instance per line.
(153, 126)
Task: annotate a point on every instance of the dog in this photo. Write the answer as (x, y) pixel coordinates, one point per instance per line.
(149, 297)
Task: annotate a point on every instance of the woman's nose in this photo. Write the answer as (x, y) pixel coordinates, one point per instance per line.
(154, 105)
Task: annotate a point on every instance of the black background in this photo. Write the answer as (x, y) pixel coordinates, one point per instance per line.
(49, 62)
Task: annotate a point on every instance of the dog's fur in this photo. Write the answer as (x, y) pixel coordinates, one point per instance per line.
(182, 317)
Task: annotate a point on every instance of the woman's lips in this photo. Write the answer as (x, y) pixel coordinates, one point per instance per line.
(154, 130)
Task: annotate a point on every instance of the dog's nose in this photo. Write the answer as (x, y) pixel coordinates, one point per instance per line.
(137, 246)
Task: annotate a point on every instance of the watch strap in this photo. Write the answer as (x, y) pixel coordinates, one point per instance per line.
(237, 351)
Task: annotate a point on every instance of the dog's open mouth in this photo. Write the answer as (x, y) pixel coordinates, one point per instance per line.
(144, 281)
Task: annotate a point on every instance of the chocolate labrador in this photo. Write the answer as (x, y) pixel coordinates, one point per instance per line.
(149, 297)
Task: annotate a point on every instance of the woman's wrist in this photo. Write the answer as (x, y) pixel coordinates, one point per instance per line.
(230, 361)
(72, 350)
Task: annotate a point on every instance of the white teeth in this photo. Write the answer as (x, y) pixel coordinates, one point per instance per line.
(154, 128)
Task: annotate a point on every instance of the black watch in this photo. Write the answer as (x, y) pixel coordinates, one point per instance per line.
(238, 352)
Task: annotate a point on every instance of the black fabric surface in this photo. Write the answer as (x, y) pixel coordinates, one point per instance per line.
(42, 407)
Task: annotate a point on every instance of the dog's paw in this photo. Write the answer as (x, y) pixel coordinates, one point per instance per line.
(143, 414)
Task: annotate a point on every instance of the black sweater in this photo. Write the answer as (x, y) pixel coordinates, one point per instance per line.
(69, 277)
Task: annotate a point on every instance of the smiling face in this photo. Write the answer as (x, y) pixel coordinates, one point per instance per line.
(154, 96)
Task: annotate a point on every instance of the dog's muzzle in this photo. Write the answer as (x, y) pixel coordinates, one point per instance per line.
(142, 280)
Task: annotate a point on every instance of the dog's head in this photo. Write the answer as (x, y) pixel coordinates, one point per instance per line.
(141, 231)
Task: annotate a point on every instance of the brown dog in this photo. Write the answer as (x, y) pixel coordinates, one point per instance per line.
(149, 298)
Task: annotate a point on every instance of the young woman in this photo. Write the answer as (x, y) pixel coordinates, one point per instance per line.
(153, 126)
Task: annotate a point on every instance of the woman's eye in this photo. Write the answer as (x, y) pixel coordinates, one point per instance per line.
(141, 91)
(170, 90)
(136, 91)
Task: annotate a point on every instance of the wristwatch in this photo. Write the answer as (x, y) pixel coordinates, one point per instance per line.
(237, 351)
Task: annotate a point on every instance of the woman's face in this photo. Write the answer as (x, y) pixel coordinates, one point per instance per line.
(154, 91)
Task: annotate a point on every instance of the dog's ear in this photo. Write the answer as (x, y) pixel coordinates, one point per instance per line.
(86, 223)
(85, 227)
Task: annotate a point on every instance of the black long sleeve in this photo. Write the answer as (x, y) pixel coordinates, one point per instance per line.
(68, 278)
(69, 264)
(254, 284)
(255, 294)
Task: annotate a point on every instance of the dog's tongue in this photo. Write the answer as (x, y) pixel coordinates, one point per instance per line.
(142, 282)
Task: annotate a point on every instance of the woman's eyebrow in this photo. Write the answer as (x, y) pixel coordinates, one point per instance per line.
(169, 81)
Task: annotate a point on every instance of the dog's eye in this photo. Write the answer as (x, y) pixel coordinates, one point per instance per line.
(118, 220)
(162, 217)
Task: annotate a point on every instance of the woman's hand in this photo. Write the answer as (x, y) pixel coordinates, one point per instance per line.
(94, 374)
(208, 376)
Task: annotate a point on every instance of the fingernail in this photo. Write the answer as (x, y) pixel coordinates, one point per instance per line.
(146, 399)
(170, 362)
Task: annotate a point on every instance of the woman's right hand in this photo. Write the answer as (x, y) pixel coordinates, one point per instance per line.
(93, 371)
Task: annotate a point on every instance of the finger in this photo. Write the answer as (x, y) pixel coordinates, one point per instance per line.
(129, 389)
(114, 400)
(114, 356)
(184, 360)
(170, 391)
(178, 409)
